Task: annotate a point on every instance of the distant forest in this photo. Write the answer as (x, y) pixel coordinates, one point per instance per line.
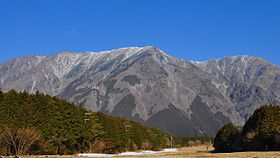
(260, 133)
(42, 124)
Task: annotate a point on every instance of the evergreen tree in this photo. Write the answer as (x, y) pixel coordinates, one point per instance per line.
(226, 138)
(1, 95)
(259, 131)
(63, 128)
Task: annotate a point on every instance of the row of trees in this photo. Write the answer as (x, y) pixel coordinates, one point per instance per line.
(260, 133)
(41, 124)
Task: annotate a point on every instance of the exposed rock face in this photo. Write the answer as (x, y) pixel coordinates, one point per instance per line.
(147, 85)
(248, 82)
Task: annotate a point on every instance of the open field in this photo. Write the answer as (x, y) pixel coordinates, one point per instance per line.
(201, 152)
(190, 152)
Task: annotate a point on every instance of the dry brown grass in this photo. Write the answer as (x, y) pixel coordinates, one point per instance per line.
(191, 152)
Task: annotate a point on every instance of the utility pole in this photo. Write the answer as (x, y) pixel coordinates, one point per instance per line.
(85, 120)
(171, 141)
(127, 129)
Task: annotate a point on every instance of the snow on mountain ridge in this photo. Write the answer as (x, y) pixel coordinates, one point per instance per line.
(62, 63)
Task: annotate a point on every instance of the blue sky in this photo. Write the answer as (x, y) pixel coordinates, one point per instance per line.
(189, 29)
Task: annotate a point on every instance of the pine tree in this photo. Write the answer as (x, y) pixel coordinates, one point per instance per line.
(63, 129)
(264, 123)
(226, 138)
(1, 96)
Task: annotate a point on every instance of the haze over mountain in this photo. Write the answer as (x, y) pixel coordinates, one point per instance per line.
(147, 85)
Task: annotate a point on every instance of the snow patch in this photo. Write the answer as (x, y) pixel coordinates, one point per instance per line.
(142, 153)
(147, 152)
(96, 155)
(197, 62)
(217, 85)
(170, 150)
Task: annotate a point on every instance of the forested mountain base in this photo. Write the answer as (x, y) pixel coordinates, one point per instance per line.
(41, 124)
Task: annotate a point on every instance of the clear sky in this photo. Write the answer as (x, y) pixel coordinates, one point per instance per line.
(189, 29)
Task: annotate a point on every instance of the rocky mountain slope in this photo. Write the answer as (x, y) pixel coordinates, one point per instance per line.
(147, 85)
(248, 82)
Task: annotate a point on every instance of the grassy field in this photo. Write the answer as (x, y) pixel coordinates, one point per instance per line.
(202, 152)
(191, 152)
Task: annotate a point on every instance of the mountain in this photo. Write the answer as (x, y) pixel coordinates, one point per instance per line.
(149, 86)
(248, 82)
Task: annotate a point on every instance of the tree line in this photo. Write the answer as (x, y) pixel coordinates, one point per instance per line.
(42, 124)
(260, 133)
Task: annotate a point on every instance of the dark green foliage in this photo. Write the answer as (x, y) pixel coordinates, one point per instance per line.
(63, 129)
(131, 79)
(262, 128)
(225, 138)
(261, 132)
(129, 135)
(276, 141)
(59, 122)
(1, 95)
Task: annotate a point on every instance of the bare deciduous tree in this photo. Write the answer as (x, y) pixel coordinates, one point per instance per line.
(25, 138)
(4, 146)
(20, 140)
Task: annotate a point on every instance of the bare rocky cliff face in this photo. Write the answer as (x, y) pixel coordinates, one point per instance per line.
(147, 85)
(248, 82)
